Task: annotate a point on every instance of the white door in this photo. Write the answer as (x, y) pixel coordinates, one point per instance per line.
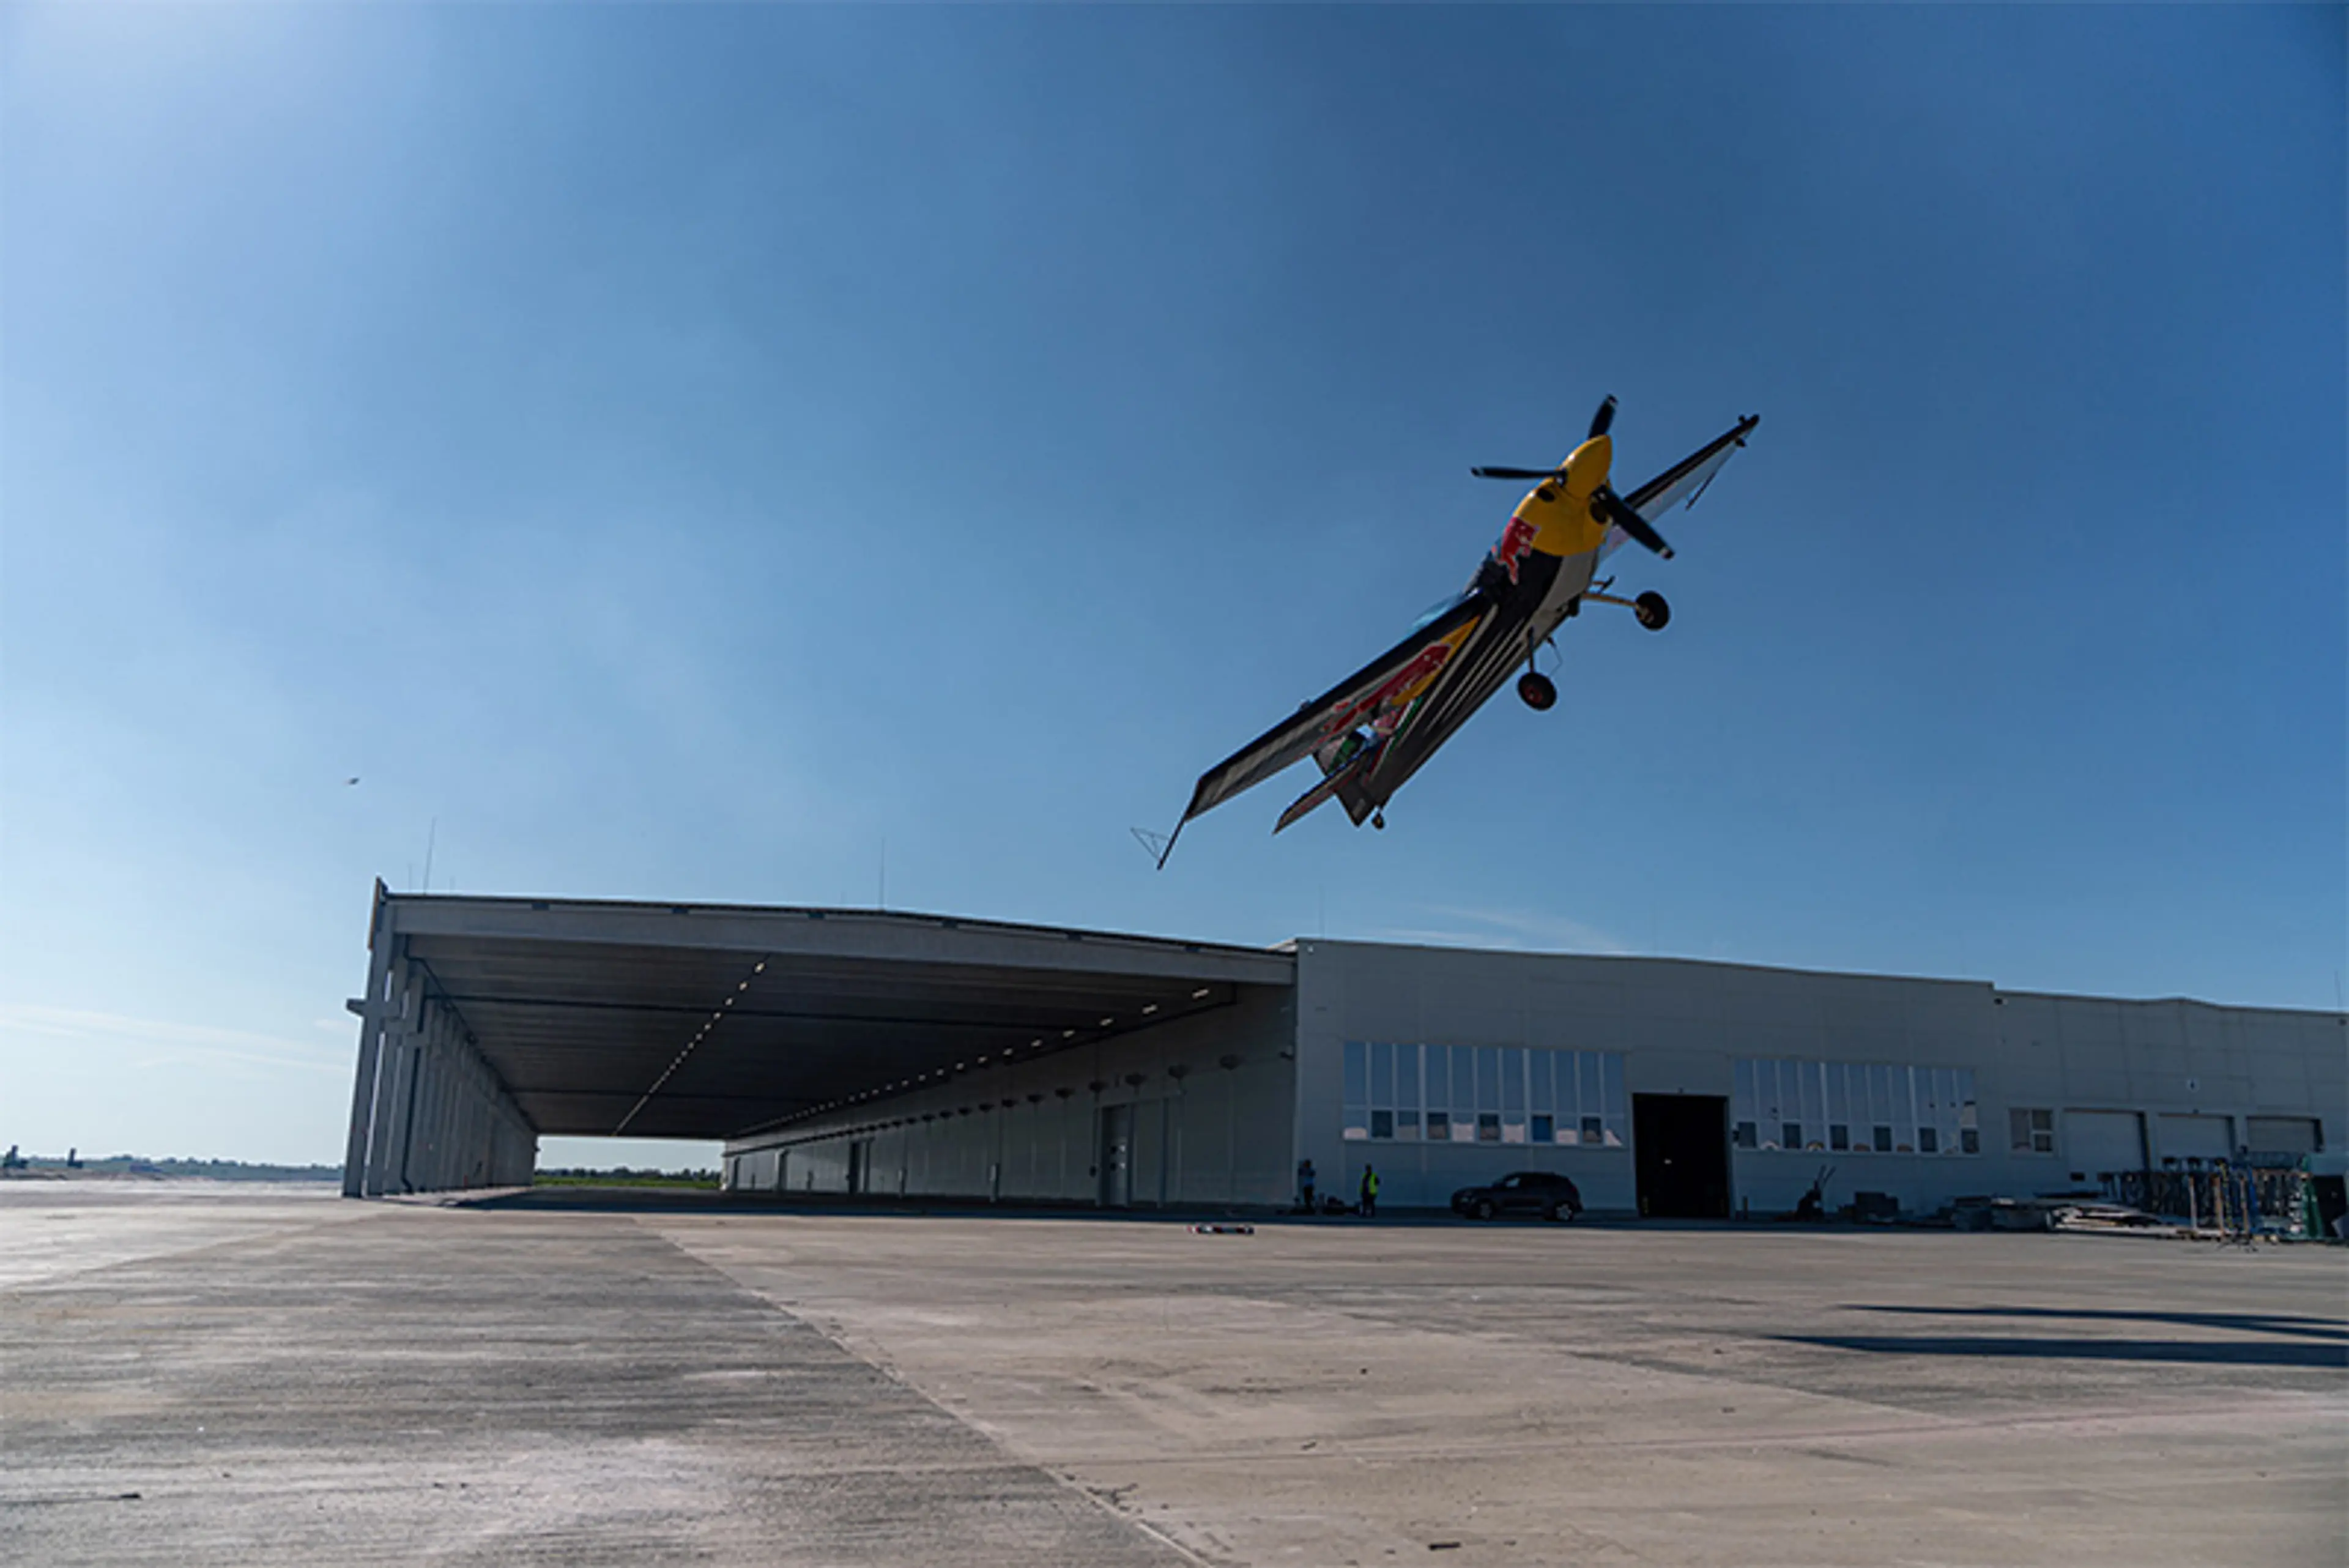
(2281, 1134)
(2098, 1143)
(2195, 1137)
(1116, 1164)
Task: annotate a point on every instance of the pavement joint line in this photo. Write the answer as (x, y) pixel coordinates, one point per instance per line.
(827, 1331)
(1927, 1426)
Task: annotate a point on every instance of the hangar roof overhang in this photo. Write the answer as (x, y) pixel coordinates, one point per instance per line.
(713, 1021)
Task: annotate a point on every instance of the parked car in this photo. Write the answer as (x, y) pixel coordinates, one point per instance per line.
(1542, 1192)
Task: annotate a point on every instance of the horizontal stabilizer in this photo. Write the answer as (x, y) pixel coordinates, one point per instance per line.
(1343, 774)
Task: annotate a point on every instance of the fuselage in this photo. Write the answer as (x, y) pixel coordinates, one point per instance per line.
(1544, 561)
(1554, 521)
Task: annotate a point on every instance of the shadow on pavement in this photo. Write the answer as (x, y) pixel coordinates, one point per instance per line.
(2242, 1323)
(2208, 1353)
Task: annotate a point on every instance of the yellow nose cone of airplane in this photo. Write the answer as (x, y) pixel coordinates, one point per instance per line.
(1585, 471)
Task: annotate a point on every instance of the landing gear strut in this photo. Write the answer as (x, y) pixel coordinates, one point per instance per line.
(1650, 609)
(1539, 691)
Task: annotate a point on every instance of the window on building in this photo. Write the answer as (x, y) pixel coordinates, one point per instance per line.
(1483, 1093)
(1357, 1090)
(1746, 1136)
(1855, 1107)
(2030, 1131)
(1409, 1070)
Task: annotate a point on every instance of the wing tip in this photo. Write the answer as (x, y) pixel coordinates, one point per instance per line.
(1157, 845)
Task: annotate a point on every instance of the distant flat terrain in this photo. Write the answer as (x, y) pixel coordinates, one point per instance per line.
(285, 1377)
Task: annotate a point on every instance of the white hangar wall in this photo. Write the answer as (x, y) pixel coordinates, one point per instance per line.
(1804, 1053)
(1202, 1107)
(2166, 1079)
(1926, 1090)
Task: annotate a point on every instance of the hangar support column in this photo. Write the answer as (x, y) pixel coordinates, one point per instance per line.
(427, 1112)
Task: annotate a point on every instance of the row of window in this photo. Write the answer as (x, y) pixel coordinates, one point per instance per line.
(1483, 1093)
(1855, 1107)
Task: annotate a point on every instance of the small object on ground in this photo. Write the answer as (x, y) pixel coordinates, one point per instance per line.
(1811, 1208)
(1223, 1230)
(1875, 1207)
(1443, 1546)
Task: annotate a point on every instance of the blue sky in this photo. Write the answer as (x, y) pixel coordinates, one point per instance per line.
(680, 452)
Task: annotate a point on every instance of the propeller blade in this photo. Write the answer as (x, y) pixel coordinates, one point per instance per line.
(1518, 473)
(1601, 422)
(1614, 509)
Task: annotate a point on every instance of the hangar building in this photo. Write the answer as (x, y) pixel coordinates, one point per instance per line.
(897, 1054)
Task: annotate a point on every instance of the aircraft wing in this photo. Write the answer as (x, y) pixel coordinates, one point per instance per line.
(1682, 483)
(1386, 683)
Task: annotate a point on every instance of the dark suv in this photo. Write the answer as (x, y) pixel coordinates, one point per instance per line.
(1542, 1192)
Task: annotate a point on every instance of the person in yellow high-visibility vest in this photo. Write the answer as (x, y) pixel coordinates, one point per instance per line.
(1369, 1192)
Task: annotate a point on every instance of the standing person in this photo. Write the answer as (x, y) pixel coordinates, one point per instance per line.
(1305, 1185)
(1369, 1192)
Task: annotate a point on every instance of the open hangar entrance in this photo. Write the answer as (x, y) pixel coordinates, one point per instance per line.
(1679, 1147)
(487, 1022)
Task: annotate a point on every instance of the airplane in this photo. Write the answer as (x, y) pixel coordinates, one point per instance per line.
(1376, 727)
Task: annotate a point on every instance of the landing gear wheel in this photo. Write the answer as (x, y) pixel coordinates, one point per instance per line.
(1539, 691)
(1653, 611)
(1379, 820)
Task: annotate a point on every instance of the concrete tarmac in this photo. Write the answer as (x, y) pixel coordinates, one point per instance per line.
(205, 1376)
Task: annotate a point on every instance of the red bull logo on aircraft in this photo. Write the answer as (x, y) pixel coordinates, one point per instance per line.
(1516, 540)
(1400, 687)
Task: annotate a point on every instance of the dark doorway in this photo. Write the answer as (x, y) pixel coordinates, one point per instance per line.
(1681, 1148)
